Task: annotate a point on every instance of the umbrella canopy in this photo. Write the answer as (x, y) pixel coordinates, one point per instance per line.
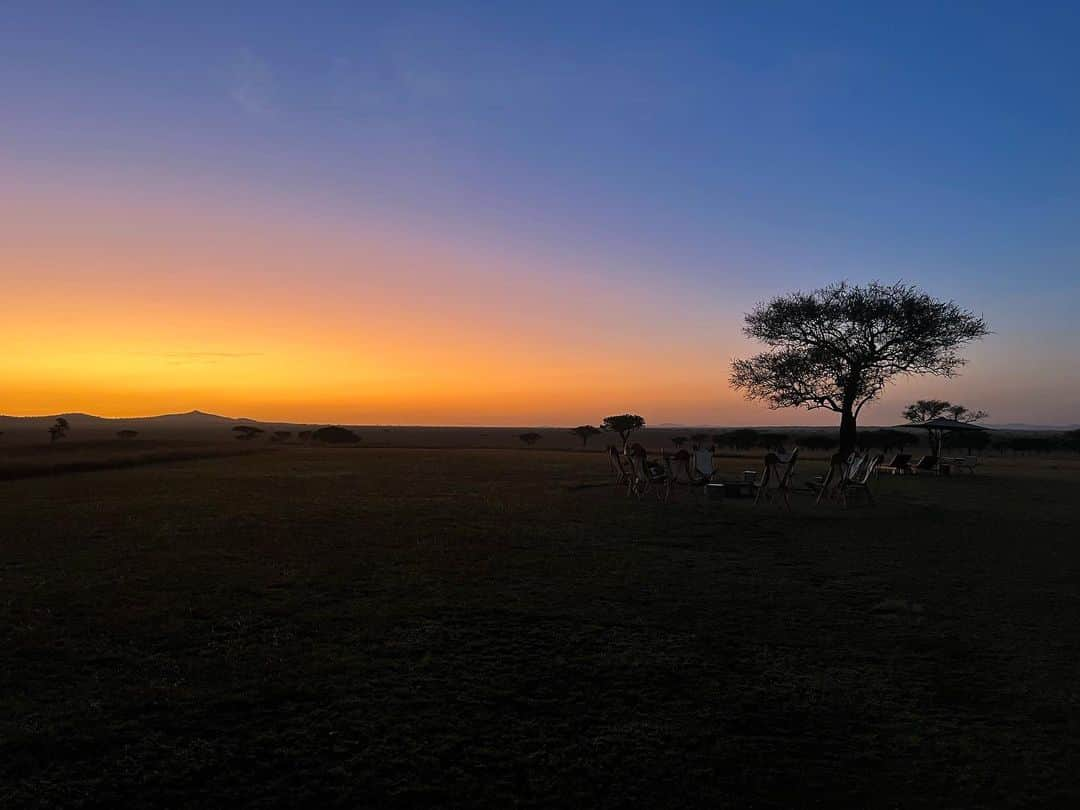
(942, 423)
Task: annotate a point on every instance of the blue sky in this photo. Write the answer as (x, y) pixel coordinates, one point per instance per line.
(715, 154)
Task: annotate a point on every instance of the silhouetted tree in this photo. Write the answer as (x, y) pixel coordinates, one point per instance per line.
(59, 429)
(623, 424)
(335, 434)
(839, 346)
(127, 434)
(281, 435)
(927, 410)
(304, 435)
(585, 432)
(679, 441)
(247, 432)
(697, 440)
(529, 438)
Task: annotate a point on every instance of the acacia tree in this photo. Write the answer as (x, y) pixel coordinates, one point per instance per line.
(697, 440)
(59, 429)
(839, 346)
(624, 424)
(126, 434)
(679, 441)
(585, 432)
(530, 438)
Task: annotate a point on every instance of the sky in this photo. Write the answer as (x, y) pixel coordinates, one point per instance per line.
(521, 214)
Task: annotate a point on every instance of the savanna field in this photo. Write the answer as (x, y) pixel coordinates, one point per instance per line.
(380, 627)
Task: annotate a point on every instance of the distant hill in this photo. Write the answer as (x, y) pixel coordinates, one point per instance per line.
(193, 424)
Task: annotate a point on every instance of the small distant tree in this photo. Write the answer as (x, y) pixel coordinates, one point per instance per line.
(679, 441)
(623, 424)
(247, 432)
(304, 435)
(529, 438)
(698, 440)
(127, 434)
(59, 429)
(335, 434)
(839, 346)
(585, 432)
(281, 435)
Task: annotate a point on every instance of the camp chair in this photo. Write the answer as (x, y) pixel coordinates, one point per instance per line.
(859, 480)
(701, 465)
(782, 487)
(647, 476)
(685, 470)
(624, 473)
(900, 465)
(927, 464)
(840, 470)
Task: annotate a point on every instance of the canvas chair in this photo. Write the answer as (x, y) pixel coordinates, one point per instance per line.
(624, 473)
(703, 464)
(859, 481)
(840, 470)
(647, 477)
(766, 487)
(685, 470)
(900, 465)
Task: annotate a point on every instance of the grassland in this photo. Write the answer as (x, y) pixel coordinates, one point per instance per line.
(427, 628)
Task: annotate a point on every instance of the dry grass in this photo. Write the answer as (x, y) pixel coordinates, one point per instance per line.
(404, 628)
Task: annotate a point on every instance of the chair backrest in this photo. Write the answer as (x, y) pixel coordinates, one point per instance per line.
(786, 480)
(678, 469)
(853, 466)
(620, 465)
(867, 470)
(703, 465)
(637, 461)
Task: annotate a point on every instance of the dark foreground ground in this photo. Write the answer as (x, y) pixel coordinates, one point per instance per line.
(412, 628)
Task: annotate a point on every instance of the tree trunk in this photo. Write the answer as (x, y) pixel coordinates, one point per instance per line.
(847, 432)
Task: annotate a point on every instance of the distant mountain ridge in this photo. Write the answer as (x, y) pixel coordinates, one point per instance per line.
(197, 419)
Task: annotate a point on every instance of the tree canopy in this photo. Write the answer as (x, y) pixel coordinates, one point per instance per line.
(335, 434)
(624, 424)
(529, 438)
(59, 429)
(839, 346)
(585, 432)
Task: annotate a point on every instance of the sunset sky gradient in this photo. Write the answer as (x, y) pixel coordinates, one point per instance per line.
(505, 217)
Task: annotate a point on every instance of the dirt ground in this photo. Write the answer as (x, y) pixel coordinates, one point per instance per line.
(462, 628)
